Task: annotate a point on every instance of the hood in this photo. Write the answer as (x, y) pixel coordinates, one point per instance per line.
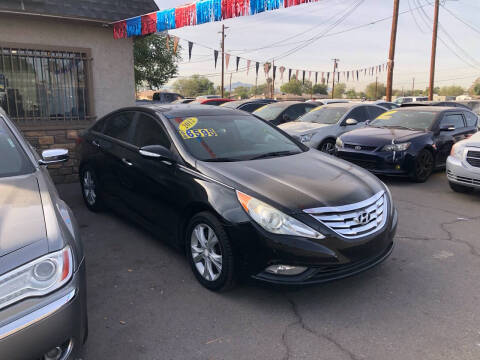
(375, 136)
(474, 140)
(297, 182)
(23, 234)
(300, 127)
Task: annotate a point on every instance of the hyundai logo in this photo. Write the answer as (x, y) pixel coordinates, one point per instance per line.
(358, 147)
(363, 218)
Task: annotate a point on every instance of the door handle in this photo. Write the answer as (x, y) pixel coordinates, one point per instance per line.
(126, 162)
(95, 143)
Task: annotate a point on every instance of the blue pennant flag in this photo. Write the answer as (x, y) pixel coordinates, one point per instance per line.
(166, 20)
(134, 26)
(208, 11)
(257, 6)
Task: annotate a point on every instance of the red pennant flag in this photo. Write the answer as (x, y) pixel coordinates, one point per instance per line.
(227, 60)
(149, 23)
(185, 15)
(248, 66)
(120, 30)
(282, 70)
(296, 75)
(175, 44)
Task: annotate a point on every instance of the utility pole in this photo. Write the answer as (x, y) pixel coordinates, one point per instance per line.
(334, 69)
(434, 50)
(273, 80)
(230, 84)
(391, 53)
(413, 87)
(376, 86)
(223, 59)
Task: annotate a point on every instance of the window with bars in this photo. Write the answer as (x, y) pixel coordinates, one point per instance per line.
(44, 86)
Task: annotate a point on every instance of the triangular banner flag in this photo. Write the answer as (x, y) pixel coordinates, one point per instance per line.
(282, 69)
(296, 75)
(238, 62)
(175, 44)
(309, 75)
(190, 46)
(215, 56)
(257, 66)
(274, 71)
(168, 43)
(248, 66)
(227, 61)
(303, 77)
(316, 78)
(328, 77)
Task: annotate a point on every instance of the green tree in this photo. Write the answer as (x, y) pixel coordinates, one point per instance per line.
(370, 91)
(339, 90)
(261, 89)
(351, 94)
(294, 86)
(476, 89)
(242, 91)
(154, 65)
(320, 89)
(193, 86)
(452, 90)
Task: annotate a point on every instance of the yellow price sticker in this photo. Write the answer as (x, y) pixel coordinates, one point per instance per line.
(188, 123)
(387, 115)
(196, 133)
(317, 108)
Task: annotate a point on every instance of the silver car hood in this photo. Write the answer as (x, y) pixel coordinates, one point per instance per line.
(474, 140)
(299, 127)
(22, 222)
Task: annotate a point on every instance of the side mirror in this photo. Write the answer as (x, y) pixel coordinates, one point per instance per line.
(447, 128)
(351, 122)
(54, 156)
(286, 118)
(157, 152)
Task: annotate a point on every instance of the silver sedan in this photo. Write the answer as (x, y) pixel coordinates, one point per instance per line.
(463, 165)
(42, 269)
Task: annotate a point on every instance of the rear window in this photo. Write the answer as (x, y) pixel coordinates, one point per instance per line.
(270, 112)
(13, 160)
(324, 115)
(472, 119)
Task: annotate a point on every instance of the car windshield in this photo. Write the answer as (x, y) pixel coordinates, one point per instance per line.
(231, 138)
(270, 112)
(410, 119)
(13, 160)
(324, 115)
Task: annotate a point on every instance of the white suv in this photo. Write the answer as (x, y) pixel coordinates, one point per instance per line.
(463, 165)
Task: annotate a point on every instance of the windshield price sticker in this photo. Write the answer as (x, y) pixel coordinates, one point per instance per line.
(196, 133)
(387, 115)
(187, 123)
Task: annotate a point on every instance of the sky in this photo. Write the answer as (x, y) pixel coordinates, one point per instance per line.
(273, 34)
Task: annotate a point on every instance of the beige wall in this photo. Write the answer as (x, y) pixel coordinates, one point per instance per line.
(112, 65)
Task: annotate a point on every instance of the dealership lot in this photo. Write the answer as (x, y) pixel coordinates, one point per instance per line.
(422, 303)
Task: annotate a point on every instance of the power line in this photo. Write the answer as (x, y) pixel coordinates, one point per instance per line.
(461, 20)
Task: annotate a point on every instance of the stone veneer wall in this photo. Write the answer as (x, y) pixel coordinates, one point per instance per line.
(66, 172)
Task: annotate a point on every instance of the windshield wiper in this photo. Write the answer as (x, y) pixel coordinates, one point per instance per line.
(222, 159)
(274, 154)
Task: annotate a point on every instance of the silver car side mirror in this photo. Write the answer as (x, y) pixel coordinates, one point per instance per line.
(351, 122)
(54, 156)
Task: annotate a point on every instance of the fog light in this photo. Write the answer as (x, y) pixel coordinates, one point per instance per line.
(54, 354)
(285, 269)
(397, 167)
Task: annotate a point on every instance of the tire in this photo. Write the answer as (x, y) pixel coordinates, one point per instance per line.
(327, 146)
(209, 256)
(460, 188)
(424, 165)
(90, 189)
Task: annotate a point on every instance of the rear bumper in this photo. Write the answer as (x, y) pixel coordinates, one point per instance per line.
(380, 162)
(462, 174)
(56, 320)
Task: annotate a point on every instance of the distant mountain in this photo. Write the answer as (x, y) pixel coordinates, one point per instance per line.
(237, 84)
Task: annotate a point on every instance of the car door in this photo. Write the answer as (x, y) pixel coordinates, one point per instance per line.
(447, 138)
(154, 188)
(114, 143)
(358, 113)
(471, 122)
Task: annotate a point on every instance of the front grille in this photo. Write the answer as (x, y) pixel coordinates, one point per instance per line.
(359, 147)
(366, 164)
(354, 220)
(473, 158)
(463, 179)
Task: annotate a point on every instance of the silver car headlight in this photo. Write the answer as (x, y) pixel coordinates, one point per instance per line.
(396, 147)
(306, 138)
(339, 143)
(273, 220)
(36, 278)
(457, 151)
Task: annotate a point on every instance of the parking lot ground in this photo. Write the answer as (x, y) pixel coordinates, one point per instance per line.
(423, 303)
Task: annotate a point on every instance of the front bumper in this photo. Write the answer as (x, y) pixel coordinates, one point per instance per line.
(32, 327)
(461, 173)
(328, 259)
(380, 162)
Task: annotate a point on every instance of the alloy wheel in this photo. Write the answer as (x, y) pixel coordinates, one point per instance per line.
(206, 252)
(424, 165)
(89, 188)
(328, 147)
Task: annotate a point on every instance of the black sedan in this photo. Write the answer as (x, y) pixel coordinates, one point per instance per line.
(408, 141)
(237, 194)
(282, 112)
(248, 105)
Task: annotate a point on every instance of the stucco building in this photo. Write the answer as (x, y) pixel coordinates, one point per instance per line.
(60, 68)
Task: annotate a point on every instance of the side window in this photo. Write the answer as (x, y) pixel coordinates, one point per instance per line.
(406, 100)
(156, 96)
(149, 132)
(359, 113)
(295, 111)
(453, 119)
(309, 107)
(472, 119)
(374, 112)
(251, 107)
(168, 98)
(118, 126)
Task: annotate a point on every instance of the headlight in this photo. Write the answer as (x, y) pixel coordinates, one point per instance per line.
(273, 220)
(339, 143)
(457, 151)
(37, 278)
(305, 138)
(396, 147)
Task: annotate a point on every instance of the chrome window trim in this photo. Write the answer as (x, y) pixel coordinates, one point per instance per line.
(350, 208)
(36, 316)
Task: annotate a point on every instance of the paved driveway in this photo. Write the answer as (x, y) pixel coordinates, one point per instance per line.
(422, 303)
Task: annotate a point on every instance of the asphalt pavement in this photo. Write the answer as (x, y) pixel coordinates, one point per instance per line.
(423, 303)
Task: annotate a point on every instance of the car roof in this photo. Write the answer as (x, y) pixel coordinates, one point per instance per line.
(285, 103)
(346, 105)
(428, 108)
(185, 110)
